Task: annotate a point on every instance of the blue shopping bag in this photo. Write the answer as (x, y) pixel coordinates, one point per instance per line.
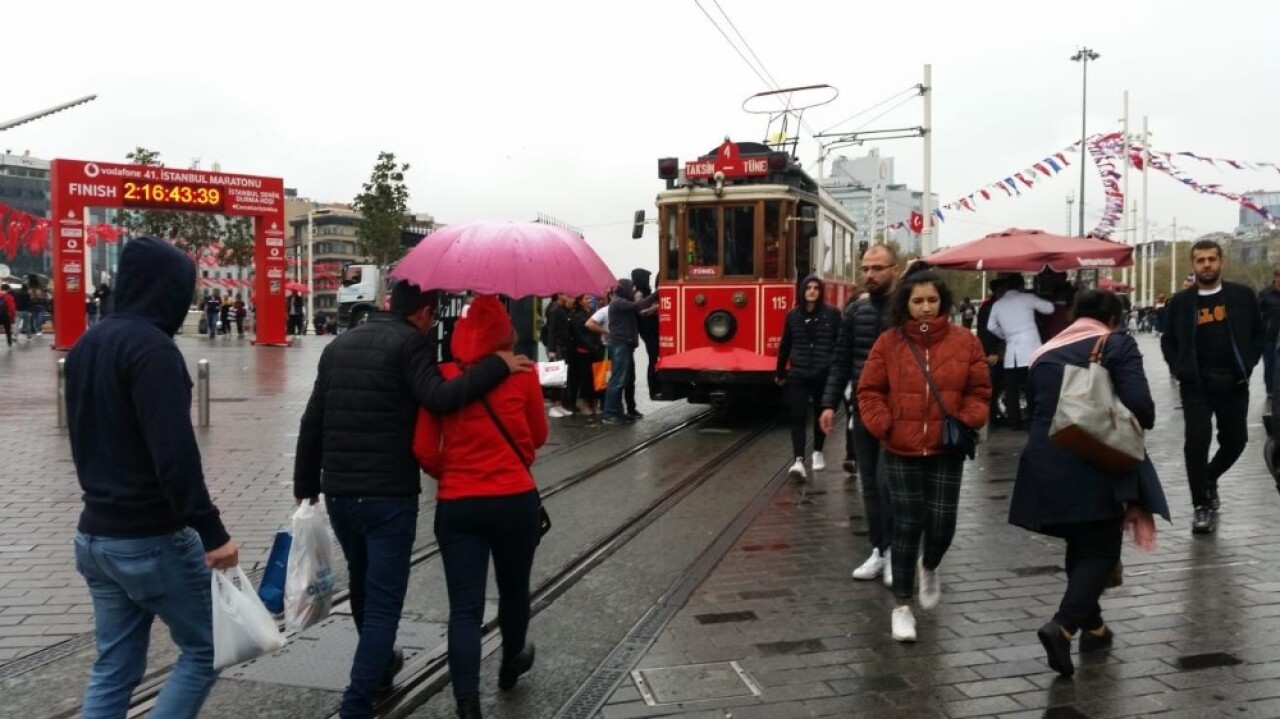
(271, 589)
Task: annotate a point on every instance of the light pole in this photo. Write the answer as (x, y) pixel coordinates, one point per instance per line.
(1083, 56)
(1071, 198)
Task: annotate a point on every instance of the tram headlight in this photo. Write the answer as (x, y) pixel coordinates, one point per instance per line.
(720, 326)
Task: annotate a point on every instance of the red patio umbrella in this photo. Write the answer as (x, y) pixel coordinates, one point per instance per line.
(296, 287)
(1017, 250)
(1106, 283)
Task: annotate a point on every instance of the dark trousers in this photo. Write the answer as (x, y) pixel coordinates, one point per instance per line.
(1093, 548)
(1199, 408)
(651, 364)
(581, 383)
(926, 492)
(997, 381)
(850, 448)
(8, 329)
(1269, 366)
(876, 500)
(376, 534)
(629, 389)
(1015, 385)
(469, 531)
(801, 393)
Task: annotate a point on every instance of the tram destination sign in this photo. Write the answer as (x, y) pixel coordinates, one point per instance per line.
(728, 160)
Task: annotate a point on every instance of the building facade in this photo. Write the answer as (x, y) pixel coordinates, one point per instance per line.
(865, 187)
(1256, 239)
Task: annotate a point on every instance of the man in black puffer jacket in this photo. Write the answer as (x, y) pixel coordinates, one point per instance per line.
(809, 342)
(358, 431)
(863, 322)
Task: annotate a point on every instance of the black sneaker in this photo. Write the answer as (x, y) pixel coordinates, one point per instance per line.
(513, 667)
(1090, 642)
(634, 414)
(1202, 522)
(850, 466)
(1057, 648)
(1214, 503)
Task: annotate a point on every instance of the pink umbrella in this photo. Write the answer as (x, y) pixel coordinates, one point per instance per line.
(516, 259)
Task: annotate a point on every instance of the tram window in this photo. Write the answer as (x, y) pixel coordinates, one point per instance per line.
(828, 250)
(773, 246)
(702, 243)
(671, 229)
(740, 240)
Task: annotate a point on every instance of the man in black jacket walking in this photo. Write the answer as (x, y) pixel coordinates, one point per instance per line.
(863, 322)
(148, 534)
(358, 428)
(808, 341)
(1213, 337)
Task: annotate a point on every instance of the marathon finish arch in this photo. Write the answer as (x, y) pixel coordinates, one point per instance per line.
(77, 185)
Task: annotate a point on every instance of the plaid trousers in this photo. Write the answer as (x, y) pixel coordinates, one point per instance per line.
(925, 492)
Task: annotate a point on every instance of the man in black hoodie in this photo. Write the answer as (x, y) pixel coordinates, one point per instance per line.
(809, 342)
(149, 533)
(648, 327)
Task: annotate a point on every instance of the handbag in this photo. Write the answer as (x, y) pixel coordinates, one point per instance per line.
(600, 371)
(956, 435)
(553, 374)
(1092, 422)
(544, 519)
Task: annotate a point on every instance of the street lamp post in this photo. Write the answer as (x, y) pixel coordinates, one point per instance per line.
(1083, 56)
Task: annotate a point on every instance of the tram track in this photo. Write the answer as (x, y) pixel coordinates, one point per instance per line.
(428, 676)
(145, 695)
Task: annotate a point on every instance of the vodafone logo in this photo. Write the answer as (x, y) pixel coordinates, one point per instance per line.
(91, 169)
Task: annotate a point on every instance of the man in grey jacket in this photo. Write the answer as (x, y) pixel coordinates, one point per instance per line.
(624, 337)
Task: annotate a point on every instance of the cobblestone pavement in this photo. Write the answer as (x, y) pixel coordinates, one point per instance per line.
(258, 397)
(1197, 622)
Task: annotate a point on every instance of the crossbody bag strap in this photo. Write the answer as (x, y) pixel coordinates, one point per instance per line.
(927, 377)
(505, 435)
(1096, 354)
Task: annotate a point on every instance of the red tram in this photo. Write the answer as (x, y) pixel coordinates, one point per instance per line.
(737, 230)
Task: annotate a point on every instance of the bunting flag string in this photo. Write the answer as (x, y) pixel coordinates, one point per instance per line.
(20, 231)
(1105, 151)
(1162, 162)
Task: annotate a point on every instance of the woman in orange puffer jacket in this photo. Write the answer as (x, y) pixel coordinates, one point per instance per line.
(898, 408)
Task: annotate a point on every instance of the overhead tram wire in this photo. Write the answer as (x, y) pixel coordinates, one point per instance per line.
(914, 90)
(766, 77)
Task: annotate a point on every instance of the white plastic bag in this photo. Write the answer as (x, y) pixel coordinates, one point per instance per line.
(308, 588)
(242, 627)
(553, 374)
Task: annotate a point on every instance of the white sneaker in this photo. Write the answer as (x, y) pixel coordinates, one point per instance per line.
(871, 568)
(559, 412)
(888, 568)
(930, 587)
(797, 469)
(904, 624)
(819, 462)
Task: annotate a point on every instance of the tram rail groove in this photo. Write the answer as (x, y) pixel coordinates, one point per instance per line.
(428, 678)
(145, 695)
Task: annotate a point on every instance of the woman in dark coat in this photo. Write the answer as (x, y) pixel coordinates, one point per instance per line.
(1062, 494)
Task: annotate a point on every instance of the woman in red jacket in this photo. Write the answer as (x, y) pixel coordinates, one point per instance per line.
(486, 502)
(898, 408)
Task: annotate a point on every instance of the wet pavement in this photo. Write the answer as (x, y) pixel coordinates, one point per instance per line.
(778, 628)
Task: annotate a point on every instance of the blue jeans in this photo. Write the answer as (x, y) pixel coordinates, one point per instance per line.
(620, 356)
(133, 581)
(469, 530)
(376, 534)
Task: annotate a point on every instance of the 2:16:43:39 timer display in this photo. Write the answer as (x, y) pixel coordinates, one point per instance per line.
(175, 195)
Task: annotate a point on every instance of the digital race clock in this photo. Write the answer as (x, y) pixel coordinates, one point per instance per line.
(173, 196)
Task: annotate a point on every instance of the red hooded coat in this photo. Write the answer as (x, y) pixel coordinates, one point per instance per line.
(465, 451)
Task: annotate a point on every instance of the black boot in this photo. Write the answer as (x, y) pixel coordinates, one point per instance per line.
(1057, 648)
(513, 666)
(470, 709)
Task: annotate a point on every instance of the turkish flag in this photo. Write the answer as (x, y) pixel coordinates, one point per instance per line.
(916, 223)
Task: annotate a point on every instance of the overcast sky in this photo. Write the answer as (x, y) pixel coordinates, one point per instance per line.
(505, 109)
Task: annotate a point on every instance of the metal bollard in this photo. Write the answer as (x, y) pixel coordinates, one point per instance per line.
(62, 392)
(202, 391)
